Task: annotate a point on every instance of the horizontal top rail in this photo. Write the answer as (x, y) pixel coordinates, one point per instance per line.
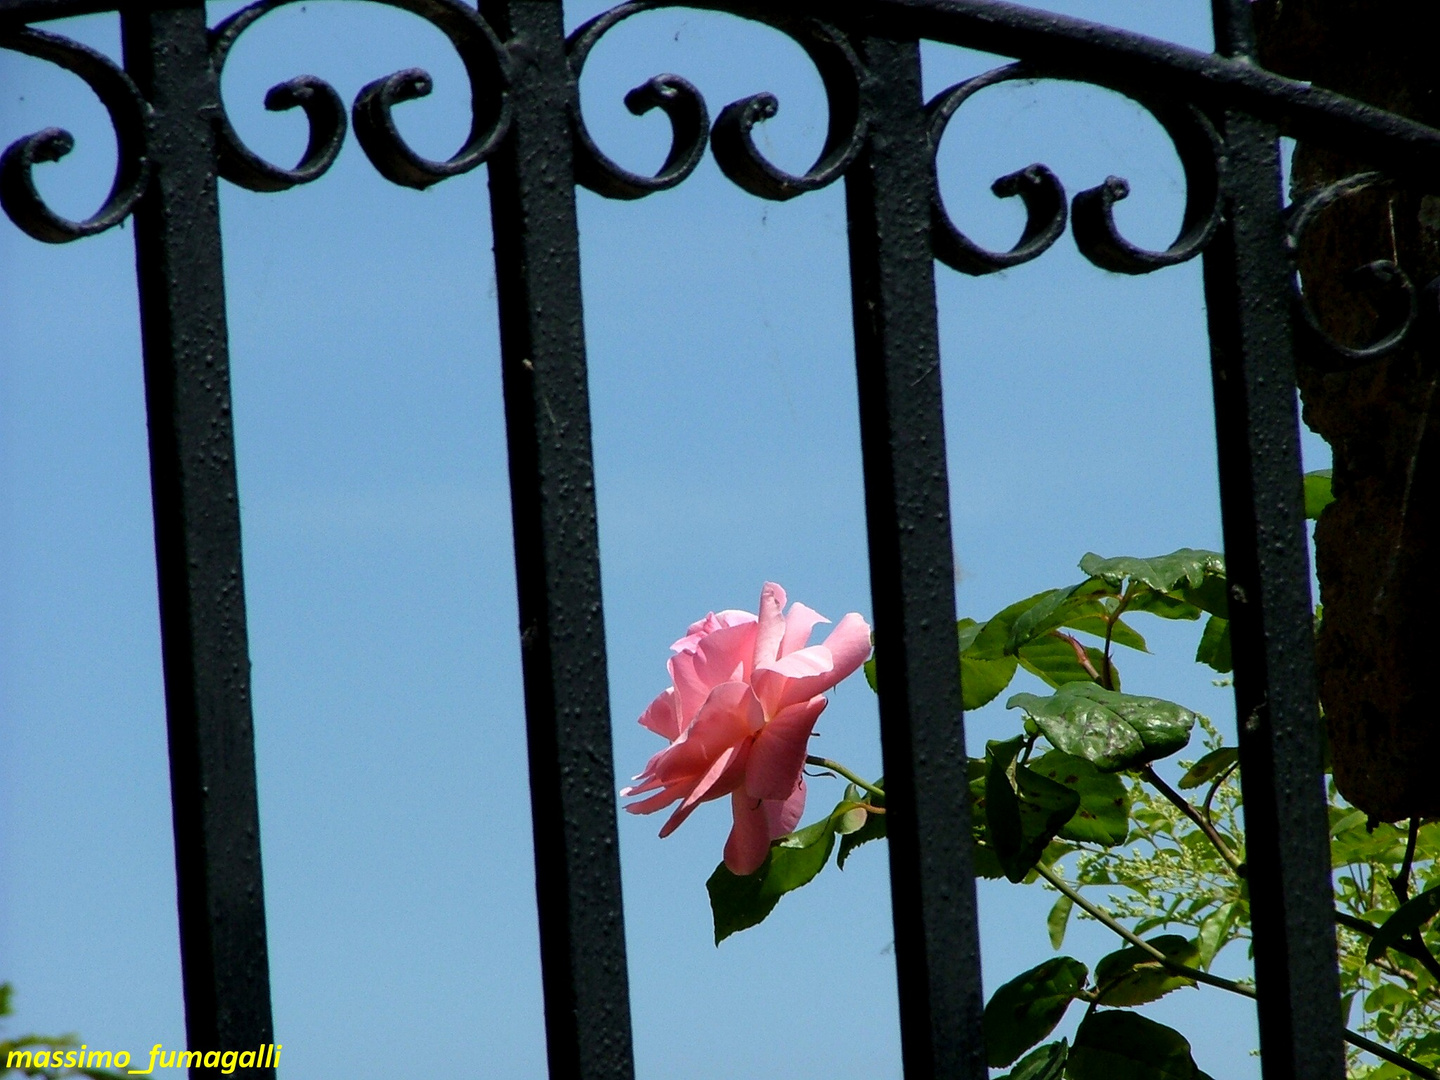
(1068, 47)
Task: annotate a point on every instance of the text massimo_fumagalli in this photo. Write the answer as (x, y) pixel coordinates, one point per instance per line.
(227, 1061)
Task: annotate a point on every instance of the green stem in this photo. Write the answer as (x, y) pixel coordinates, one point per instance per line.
(1102, 917)
(836, 767)
(1354, 1038)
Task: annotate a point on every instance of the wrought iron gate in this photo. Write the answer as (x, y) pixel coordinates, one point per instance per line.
(1223, 113)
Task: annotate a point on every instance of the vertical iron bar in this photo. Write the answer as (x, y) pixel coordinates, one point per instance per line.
(557, 559)
(197, 539)
(1247, 292)
(912, 580)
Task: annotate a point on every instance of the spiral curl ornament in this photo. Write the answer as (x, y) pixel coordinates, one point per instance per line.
(1091, 213)
(731, 138)
(1393, 293)
(128, 114)
(487, 65)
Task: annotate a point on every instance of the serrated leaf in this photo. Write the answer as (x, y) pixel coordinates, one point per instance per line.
(1023, 810)
(1317, 492)
(870, 674)
(1109, 729)
(1412, 915)
(738, 903)
(1058, 921)
(1121, 1045)
(1027, 1008)
(1187, 567)
(1131, 976)
(1214, 647)
(1043, 1063)
(1103, 816)
(1121, 632)
(1052, 658)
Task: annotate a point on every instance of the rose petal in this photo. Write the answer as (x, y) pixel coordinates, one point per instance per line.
(771, 626)
(663, 715)
(799, 621)
(784, 816)
(722, 778)
(778, 756)
(726, 654)
(749, 840)
(814, 669)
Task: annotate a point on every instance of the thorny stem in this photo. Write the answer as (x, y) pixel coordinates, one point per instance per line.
(1201, 822)
(1124, 602)
(1099, 915)
(836, 767)
(1080, 655)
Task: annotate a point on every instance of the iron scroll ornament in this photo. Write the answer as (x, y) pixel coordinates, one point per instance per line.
(487, 64)
(1397, 300)
(731, 138)
(128, 114)
(1092, 215)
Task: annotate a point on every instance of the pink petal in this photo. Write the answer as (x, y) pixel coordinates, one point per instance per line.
(778, 757)
(690, 689)
(799, 621)
(849, 645)
(730, 715)
(771, 626)
(804, 667)
(815, 669)
(749, 840)
(725, 655)
(784, 816)
(723, 777)
(658, 801)
(663, 715)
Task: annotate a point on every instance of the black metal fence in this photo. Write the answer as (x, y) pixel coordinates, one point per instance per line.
(1223, 113)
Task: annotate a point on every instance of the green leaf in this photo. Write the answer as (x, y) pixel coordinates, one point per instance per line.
(1043, 1063)
(1210, 766)
(1187, 567)
(1317, 493)
(1131, 976)
(873, 829)
(983, 675)
(1058, 921)
(1214, 647)
(1027, 1008)
(738, 903)
(992, 641)
(1216, 931)
(1121, 1045)
(870, 674)
(1052, 657)
(1109, 729)
(1104, 813)
(1162, 605)
(1023, 810)
(1412, 915)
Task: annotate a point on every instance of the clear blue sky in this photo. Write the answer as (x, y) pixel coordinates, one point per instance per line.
(393, 790)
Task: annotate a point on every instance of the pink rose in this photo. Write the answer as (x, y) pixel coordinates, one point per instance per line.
(746, 694)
